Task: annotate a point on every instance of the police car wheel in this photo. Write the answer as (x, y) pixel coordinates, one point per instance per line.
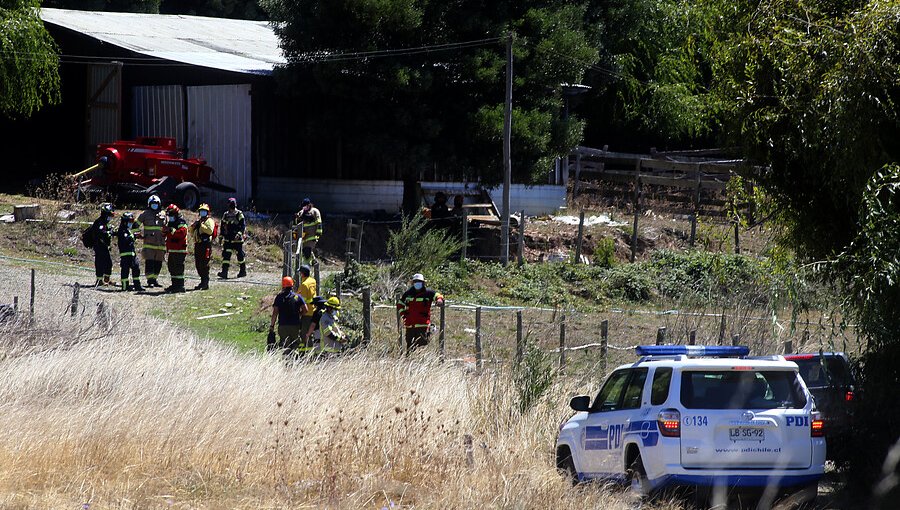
(566, 466)
(639, 485)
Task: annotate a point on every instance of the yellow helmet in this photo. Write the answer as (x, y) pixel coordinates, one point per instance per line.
(203, 207)
(333, 302)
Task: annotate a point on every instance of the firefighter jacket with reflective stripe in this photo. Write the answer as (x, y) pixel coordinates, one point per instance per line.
(233, 225)
(125, 240)
(104, 230)
(310, 222)
(151, 224)
(415, 306)
(328, 328)
(203, 231)
(176, 236)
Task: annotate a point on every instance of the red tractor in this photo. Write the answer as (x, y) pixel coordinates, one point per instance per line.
(132, 171)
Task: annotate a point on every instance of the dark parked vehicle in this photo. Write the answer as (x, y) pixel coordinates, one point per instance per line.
(829, 377)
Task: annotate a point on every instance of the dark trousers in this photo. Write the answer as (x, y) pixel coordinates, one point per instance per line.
(305, 322)
(176, 269)
(289, 336)
(202, 254)
(102, 262)
(129, 264)
(153, 268)
(417, 337)
(232, 246)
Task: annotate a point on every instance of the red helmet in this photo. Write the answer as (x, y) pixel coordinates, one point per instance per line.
(173, 209)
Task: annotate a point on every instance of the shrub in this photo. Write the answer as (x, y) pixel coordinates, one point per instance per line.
(631, 282)
(605, 253)
(533, 377)
(416, 248)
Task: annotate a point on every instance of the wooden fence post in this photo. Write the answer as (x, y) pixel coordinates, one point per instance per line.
(521, 237)
(465, 233)
(562, 342)
(637, 209)
(661, 335)
(367, 315)
(285, 265)
(580, 239)
(399, 330)
(359, 241)
(696, 208)
(348, 248)
(16, 305)
(804, 339)
(722, 330)
(788, 347)
(577, 185)
(31, 305)
(318, 282)
(75, 291)
(737, 237)
(478, 339)
(604, 342)
(443, 325)
(520, 346)
(337, 285)
(736, 339)
(692, 338)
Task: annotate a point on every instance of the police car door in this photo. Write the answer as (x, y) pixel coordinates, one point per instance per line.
(597, 434)
(622, 419)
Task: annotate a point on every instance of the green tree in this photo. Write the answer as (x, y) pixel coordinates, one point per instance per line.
(237, 9)
(446, 107)
(29, 76)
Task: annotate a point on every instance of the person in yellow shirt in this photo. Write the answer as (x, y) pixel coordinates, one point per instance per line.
(203, 231)
(306, 287)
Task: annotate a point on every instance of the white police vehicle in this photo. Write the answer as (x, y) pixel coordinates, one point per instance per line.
(697, 416)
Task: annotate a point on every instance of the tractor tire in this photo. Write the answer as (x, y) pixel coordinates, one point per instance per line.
(187, 196)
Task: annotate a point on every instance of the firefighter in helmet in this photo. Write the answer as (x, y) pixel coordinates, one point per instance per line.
(203, 231)
(309, 221)
(150, 223)
(128, 260)
(332, 338)
(287, 310)
(176, 232)
(102, 238)
(233, 228)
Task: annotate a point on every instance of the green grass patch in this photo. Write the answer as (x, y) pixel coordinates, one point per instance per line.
(246, 329)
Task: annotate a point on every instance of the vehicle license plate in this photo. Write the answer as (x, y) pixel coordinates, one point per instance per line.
(746, 434)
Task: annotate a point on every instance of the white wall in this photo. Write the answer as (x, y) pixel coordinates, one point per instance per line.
(356, 196)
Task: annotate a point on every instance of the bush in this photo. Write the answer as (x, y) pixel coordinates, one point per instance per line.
(631, 282)
(533, 377)
(605, 253)
(416, 248)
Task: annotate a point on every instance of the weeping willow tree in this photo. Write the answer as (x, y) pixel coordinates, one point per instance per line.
(29, 63)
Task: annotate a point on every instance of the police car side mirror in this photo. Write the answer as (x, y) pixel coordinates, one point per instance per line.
(580, 403)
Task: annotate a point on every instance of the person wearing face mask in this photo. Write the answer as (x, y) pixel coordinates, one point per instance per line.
(176, 232)
(150, 223)
(203, 231)
(128, 260)
(233, 227)
(332, 339)
(415, 309)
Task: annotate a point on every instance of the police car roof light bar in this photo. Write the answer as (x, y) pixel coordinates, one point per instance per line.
(692, 350)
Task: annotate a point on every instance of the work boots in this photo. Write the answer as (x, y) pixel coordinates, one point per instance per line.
(136, 286)
(203, 285)
(243, 272)
(223, 274)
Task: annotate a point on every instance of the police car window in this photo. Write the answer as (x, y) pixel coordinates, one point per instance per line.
(744, 389)
(635, 389)
(820, 373)
(659, 392)
(610, 395)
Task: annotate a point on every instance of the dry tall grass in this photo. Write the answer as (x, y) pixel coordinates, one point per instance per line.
(146, 416)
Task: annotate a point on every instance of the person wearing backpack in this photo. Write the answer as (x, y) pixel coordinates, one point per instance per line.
(203, 231)
(101, 238)
(127, 253)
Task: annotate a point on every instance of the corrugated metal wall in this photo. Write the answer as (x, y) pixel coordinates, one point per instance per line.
(104, 104)
(219, 130)
(158, 111)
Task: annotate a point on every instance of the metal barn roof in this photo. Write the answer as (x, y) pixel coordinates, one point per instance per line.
(249, 47)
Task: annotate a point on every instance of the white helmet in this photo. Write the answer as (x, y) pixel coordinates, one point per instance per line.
(154, 199)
